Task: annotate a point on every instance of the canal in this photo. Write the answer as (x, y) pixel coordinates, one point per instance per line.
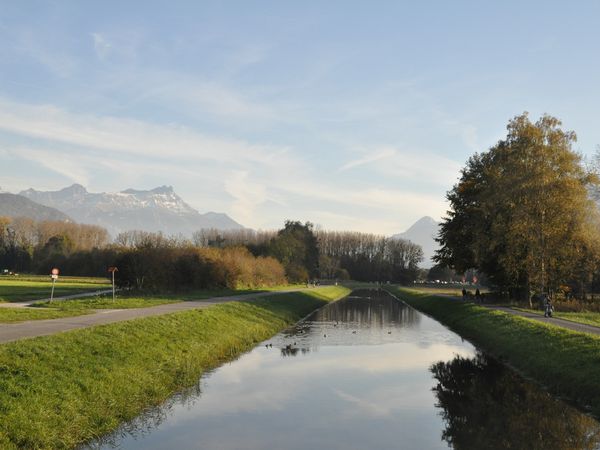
(364, 372)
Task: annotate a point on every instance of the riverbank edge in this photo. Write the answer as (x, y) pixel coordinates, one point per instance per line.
(64, 390)
(565, 362)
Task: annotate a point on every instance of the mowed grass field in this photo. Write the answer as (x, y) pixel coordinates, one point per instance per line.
(17, 289)
(445, 290)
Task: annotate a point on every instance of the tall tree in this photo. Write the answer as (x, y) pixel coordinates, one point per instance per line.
(521, 212)
(296, 247)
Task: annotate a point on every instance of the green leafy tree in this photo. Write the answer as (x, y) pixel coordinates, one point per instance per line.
(296, 247)
(521, 212)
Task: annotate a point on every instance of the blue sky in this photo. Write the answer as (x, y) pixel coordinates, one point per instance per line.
(353, 115)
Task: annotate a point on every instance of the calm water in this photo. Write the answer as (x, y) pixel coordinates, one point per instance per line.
(364, 372)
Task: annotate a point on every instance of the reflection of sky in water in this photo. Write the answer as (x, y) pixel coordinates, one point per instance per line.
(354, 375)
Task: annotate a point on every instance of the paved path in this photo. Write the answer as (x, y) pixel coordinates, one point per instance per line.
(15, 331)
(581, 327)
(58, 299)
(575, 326)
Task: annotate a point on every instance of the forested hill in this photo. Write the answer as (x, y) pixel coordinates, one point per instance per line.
(12, 205)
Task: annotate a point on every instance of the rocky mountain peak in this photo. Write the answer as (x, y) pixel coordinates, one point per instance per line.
(75, 189)
(423, 232)
(158, 209)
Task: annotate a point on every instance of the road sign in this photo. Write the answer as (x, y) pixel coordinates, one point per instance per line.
(113, 269)
(54, 275)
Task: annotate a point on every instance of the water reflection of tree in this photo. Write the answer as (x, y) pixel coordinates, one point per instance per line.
(487, 406)
(293, 351)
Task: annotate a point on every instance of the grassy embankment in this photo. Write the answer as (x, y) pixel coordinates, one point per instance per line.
(19, 289)
(31, 287)
(588, 318)
(59, 391)
(564, 361)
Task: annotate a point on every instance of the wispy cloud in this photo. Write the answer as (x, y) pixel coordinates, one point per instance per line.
(218, 100)
(131, 136)
(101, 45)
(377, 156)
(30, 45)
(72, 169)
(258, 184)
(247, 194)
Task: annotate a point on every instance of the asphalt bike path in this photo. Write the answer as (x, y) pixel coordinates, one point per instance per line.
(15, 331)
(27, 303)
(575, 326)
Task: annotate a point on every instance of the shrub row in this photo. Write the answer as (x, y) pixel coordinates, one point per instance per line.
(174, 268)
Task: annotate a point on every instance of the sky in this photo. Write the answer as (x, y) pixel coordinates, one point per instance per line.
(352, 115)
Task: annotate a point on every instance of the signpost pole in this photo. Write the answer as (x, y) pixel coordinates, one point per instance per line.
(112, 270)
(52, 293)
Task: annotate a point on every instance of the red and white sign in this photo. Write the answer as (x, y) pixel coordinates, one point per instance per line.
(55, 271)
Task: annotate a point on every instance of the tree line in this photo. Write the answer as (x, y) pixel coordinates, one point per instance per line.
(368, 257)
(211, 258)
(30, 246)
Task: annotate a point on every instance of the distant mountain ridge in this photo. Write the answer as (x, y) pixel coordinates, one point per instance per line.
(423, 232)
(12, 205)
(159, 209)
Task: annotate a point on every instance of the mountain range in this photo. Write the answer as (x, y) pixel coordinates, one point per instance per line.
(423, 233)
(12, 205)
(159, 209)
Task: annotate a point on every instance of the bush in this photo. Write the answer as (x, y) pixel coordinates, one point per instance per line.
(156, 268)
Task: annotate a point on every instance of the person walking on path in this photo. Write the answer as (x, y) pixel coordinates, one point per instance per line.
(548, 309)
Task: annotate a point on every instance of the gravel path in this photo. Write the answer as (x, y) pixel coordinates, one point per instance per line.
(35, 328)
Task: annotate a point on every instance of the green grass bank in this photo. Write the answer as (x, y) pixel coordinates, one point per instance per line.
(566, 362)
(16, 315)
(45, 309)
(23, 289)
(63, 390)
(585, 317)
